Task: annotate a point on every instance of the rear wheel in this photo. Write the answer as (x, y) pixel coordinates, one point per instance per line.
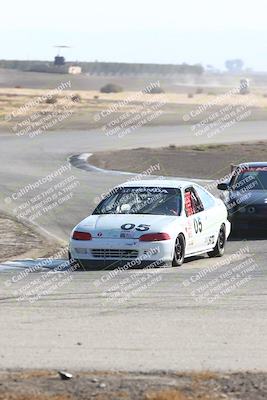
(219, 249)
(179, 251)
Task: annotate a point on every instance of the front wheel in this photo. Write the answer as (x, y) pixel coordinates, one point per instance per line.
(219, 249)
(179, 251)
(73, 262)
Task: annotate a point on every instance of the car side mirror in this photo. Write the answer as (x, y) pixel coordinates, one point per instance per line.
(223, 186)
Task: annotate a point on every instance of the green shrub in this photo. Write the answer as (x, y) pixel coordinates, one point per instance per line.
(111, 88)
(76, 98)
(155, 90)
(51, 100)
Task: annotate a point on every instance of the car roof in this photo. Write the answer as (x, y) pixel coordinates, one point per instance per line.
(254, 164)
(163, 183)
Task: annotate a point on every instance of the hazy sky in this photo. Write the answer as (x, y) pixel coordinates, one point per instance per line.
(163, 31)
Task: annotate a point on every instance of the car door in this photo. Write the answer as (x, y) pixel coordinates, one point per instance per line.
(195, 220)
(212, 217)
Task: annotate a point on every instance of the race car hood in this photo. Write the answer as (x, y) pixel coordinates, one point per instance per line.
(132, 225)
(255, 197)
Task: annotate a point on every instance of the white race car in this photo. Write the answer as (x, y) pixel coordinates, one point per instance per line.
(151, 222)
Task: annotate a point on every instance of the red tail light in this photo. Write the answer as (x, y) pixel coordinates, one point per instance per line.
(81, 235)
(154, 237)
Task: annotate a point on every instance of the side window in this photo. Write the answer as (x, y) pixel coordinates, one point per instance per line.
(206, 199)
(193, 204)
(188, 204)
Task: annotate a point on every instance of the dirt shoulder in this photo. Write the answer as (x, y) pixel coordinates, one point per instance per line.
(207, 161)
(43, 385)
(18, 240)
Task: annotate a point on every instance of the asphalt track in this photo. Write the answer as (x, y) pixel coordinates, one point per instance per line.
(178, 321)
(25, 160)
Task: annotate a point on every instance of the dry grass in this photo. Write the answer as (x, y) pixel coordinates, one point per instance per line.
(204, 376)
(173, 394)
(23, 95)
(92, 102)
(33, 396)
(168, 394)
(34, 374)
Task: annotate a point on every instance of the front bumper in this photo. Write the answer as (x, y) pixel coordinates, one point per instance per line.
(114, 253)
(253, 217)
(114, 264)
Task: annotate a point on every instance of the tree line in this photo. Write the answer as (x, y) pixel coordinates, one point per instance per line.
(105, 68)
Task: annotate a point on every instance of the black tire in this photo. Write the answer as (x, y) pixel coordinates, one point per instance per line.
(179, 251)
(73, 262)
(219, 249)
(70, 258)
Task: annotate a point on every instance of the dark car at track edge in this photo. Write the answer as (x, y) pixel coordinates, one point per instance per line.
(246, 196)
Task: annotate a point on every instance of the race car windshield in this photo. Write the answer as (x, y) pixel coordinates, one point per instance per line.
(254, 179)
(142, 200)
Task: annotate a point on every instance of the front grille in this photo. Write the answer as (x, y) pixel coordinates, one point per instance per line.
(114, 253)
(261, 209)
(255, 210)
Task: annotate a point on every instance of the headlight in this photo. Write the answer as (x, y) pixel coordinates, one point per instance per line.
(251, 210)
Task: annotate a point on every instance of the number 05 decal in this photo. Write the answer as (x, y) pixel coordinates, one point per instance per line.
(141, 227)
(198, 225)
(127, 227)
